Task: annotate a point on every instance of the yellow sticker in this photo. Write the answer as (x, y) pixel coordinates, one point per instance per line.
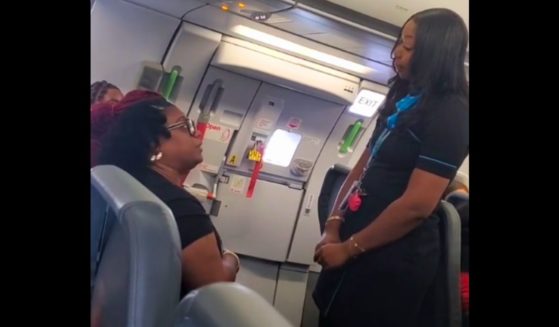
(254, 155)
(233, 160)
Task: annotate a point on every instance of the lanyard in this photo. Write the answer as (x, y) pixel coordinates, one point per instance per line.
(352, 200)
(403, 105)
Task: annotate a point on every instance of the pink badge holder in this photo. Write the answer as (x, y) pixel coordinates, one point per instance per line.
(354, 201)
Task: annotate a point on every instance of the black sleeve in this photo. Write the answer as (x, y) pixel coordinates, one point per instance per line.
(445, 141)
(192, 221)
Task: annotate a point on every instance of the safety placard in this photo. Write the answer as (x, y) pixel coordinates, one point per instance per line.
(264, 123)
(204, 166)
(236, 184)
(232, 160)
(218, 133)
(311, 139)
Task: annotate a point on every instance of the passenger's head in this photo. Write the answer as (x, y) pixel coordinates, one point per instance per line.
(102, 116)
(430, 52)
(103, 91)
(150, 131)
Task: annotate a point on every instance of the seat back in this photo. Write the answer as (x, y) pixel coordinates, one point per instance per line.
(451, 240)
(457, 198)
(333, 181)
(227, 305)
(442, 305)
(138, 274)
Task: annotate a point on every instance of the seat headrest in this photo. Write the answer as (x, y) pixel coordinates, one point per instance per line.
(457, 197)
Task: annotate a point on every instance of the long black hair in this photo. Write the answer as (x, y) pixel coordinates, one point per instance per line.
(437, 64)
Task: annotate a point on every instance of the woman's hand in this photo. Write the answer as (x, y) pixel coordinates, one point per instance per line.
(327, 237)
(333, 255)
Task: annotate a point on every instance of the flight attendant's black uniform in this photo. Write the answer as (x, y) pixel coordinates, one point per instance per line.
(385, 286)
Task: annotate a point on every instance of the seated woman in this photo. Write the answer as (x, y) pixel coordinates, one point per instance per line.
(103, 91)
(153, 141)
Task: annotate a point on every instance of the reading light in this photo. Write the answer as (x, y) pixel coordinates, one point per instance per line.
(260, 16)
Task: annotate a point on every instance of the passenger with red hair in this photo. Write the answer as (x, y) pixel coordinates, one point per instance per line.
(153, 141)
(103, 115)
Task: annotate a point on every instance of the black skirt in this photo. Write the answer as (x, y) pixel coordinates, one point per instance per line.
(383, 287)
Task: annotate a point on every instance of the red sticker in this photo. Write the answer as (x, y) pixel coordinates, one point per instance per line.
(294, 122)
